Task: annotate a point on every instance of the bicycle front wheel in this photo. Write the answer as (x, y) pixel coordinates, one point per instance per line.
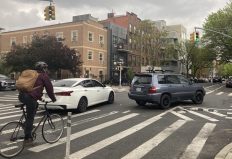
(53, 128)
(11, 139)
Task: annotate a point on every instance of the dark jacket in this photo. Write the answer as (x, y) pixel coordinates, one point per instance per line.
(42, 81)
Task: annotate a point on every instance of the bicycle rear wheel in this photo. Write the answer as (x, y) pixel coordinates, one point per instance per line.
(11, 139)
(53, 128)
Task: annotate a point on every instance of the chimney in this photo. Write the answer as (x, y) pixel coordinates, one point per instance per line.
(110, 15)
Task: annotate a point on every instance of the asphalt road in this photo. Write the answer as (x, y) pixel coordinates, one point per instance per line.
(125, 130)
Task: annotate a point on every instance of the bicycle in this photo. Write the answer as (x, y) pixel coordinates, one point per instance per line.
(12, 133)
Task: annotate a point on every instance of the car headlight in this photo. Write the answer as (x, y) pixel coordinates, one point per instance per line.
(3, 83)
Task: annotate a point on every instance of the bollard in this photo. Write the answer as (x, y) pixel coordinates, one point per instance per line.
(68, 135)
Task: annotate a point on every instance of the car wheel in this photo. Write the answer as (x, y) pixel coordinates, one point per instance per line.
(111, 98)
(82, 105)
(198, 98)
(165, 101)
(140, 102)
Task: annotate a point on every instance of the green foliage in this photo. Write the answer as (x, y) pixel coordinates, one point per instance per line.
(149, 40)
(54, 53)
(4, 69)
(225, 69)
(220, 22)
(130, 74)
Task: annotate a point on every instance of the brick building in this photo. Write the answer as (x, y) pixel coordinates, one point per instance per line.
(84, 34)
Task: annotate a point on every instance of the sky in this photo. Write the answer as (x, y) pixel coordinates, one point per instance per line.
(20, 14)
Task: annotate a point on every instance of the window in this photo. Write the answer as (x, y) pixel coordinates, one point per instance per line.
(172, 79)
(59, 36)
(13, 41)
(101, 39)
(31, 38)
(90, 55)
(143, 79)
(96, 84)
(183, 80)
(90, 36)
(161, 79)
(24, 39)
(101, 57)
(130, 27)
(74, 35)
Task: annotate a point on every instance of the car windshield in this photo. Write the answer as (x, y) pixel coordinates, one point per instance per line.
(64, 83)
(3, 77)
(146, 79)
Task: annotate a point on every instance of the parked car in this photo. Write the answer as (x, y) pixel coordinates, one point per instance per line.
(79, 93)
(6, 83)
(229, 82)
(217, 80)
(163, 89)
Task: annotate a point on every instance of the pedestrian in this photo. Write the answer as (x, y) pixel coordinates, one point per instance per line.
(30, 99)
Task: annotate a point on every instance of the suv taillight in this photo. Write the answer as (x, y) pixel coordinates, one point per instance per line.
(152, 90)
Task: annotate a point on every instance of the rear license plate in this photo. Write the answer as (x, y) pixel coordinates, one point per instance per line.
(138, 89)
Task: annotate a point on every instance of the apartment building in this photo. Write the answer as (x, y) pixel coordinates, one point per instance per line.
(130, 22)
(84, 34)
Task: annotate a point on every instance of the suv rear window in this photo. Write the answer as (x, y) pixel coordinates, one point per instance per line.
(142, 79)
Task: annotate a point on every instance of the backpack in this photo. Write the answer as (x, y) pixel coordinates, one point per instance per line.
(26, 81)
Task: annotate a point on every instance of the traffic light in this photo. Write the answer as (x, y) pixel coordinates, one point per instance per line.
(197, 37)
(49, 13)
(46, 13)
(52, 12)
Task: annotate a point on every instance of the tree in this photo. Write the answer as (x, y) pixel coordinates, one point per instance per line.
(47, 48)
(225, 69)
(219, 22)
(4, 69)
(149, 40)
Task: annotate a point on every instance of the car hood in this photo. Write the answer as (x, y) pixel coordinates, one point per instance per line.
(7, 80)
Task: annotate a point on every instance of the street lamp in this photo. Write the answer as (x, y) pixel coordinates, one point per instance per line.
(119, 63)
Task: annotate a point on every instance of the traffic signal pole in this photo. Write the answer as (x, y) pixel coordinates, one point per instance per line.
(214, 32)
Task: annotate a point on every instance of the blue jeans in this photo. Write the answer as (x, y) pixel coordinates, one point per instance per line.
(31, 107)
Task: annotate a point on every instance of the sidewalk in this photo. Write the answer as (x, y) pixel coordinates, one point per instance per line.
(225, 153)
(117, 89)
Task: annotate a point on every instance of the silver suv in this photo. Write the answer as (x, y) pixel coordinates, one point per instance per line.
(163, 89)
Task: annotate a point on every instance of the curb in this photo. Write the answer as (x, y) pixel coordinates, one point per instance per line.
(225, 153)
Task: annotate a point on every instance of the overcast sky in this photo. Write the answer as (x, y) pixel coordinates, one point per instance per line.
(18, 14)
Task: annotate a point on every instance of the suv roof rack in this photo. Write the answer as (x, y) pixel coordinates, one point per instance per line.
(155, 71)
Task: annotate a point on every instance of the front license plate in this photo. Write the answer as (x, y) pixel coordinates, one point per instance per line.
(138, 89)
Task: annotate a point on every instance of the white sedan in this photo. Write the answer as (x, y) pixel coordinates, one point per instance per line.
(79, 93)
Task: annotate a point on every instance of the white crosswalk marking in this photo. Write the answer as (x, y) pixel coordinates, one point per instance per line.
(91, 149)
(198, 142)
(230, 94)
(181, 116)
(82, 133)
(219, 93)
(146, 147)
(201, 115)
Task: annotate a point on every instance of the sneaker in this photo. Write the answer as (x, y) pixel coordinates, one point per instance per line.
(28, 142)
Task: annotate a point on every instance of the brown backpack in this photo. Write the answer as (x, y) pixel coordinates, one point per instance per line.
(26, 80)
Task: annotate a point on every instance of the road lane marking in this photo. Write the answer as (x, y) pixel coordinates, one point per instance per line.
(10, 112)
(5, 105)
(126, 112)
(201, 115)
(214, 90)
(8, 108)
(219, 93)
(182, 116)
(230, 94)
(10, 116)
(215, 113)
(193, 150)
(82, 133)
(108, 141)
(146, 147)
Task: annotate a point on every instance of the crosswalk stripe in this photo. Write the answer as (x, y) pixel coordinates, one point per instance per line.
(146, 147)
(93, 148)
(194, 149)
(230, 94)
(200, 115)
(5, 105)
(216, 113)
(7, 108)
(82, 133)
(10, 112)
(181, 116)
(10, 116)
(219, 93)
(9, 100)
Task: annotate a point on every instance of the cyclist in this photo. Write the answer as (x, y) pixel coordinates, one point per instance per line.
(30, 99)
